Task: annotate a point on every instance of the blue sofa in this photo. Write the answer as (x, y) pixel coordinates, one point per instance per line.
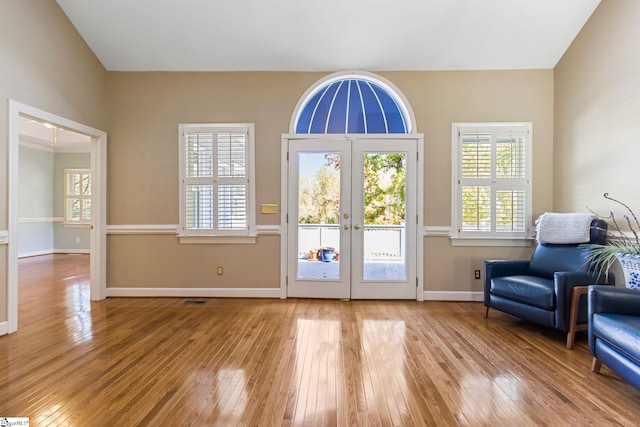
(614, 331)
(540, 290)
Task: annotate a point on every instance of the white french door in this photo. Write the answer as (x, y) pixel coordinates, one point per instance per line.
(352, 218)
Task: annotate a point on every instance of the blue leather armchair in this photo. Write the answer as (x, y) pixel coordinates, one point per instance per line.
(614, 331)
(540, 290)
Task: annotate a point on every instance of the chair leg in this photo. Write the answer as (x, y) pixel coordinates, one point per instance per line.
(486, 312)
(596, 365)
(576, 293)
(571, 337)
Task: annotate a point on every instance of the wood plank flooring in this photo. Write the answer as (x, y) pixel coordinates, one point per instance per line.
(254, 362)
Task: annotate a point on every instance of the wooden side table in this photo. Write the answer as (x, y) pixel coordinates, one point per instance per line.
(576, 293)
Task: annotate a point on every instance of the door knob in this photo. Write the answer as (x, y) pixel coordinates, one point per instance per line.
(346, 226)
(357, 227)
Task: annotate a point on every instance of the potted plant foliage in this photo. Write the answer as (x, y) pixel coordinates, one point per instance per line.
(623, 246)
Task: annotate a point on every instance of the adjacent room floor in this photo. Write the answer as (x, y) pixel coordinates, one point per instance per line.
(264, 362)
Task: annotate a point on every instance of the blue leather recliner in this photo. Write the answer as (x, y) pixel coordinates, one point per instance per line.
(540, 290)
(614, 331)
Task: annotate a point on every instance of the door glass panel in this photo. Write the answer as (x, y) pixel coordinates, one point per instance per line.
(384, 184)
(318, 216)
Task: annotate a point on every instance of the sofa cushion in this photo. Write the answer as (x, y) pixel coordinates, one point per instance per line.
(620, 332)
(531, 290)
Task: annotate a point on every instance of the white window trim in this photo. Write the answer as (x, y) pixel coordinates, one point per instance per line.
(459, 238)
(208, 237)
(81, 223)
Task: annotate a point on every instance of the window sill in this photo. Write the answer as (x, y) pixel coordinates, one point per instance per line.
(484, 241)
(76, 225)
(212, 240)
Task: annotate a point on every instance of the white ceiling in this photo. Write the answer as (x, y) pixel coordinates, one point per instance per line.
(328, 35)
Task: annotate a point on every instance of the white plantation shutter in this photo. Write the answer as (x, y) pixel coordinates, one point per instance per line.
(232, 190)
(232, 207)
(199, 207)
(476, 208)
(199, 155)
(476, 155)
(215, 179)
(232, 155)
(492, 177)
(77, 196)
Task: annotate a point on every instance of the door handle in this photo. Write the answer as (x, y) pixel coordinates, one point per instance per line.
(346, 226)
(357, 227)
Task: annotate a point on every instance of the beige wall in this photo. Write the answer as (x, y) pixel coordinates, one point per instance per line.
(146, 108)
(597, 112)
(440, 98)
(44, 63)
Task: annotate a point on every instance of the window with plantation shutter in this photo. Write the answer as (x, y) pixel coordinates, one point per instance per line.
(216, 192)
(77, 196)
(491, 180)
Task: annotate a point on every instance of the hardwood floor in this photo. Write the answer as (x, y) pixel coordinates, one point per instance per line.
(236, 362)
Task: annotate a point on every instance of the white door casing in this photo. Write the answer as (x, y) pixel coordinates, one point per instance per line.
(99, 203)
(353, 280)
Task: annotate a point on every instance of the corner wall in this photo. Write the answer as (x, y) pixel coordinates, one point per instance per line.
(597, 112)
(597, 115)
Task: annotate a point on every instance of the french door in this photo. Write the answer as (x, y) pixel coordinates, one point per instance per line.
(352, 218)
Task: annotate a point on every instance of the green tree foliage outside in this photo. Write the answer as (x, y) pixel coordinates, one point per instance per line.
(383, 192)
(319, 198)
(384, 188)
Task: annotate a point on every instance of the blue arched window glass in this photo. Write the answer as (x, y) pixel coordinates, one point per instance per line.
(352, 105)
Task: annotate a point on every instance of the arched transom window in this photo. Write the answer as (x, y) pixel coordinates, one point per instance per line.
(353, 104)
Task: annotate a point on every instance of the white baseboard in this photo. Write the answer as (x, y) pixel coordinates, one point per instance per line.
(4, 328)
(195, 292)
(36, 253)
(453, 296)
(261, 293)
(54, 251)
(72, 251)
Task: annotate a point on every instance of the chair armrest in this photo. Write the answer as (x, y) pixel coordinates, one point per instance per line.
(608, 299)
(501, 268)
(564, 282)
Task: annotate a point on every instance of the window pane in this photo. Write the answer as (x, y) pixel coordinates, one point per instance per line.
(476, 155)
(231, 155)
(510, 157)
(232, 207)
(73, 184)
(199, 155)
(510, 213)
(73, 210)
(86, 184)
(384, 188)
(476, 208)
(86, 209)
(199, 207)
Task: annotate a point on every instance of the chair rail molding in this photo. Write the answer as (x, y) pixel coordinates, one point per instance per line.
(173, 229)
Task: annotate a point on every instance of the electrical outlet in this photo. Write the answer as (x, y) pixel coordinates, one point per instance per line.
(477, 274)
(77, 240)
(219, 271)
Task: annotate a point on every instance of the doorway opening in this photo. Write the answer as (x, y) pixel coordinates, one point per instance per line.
(97, 141)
